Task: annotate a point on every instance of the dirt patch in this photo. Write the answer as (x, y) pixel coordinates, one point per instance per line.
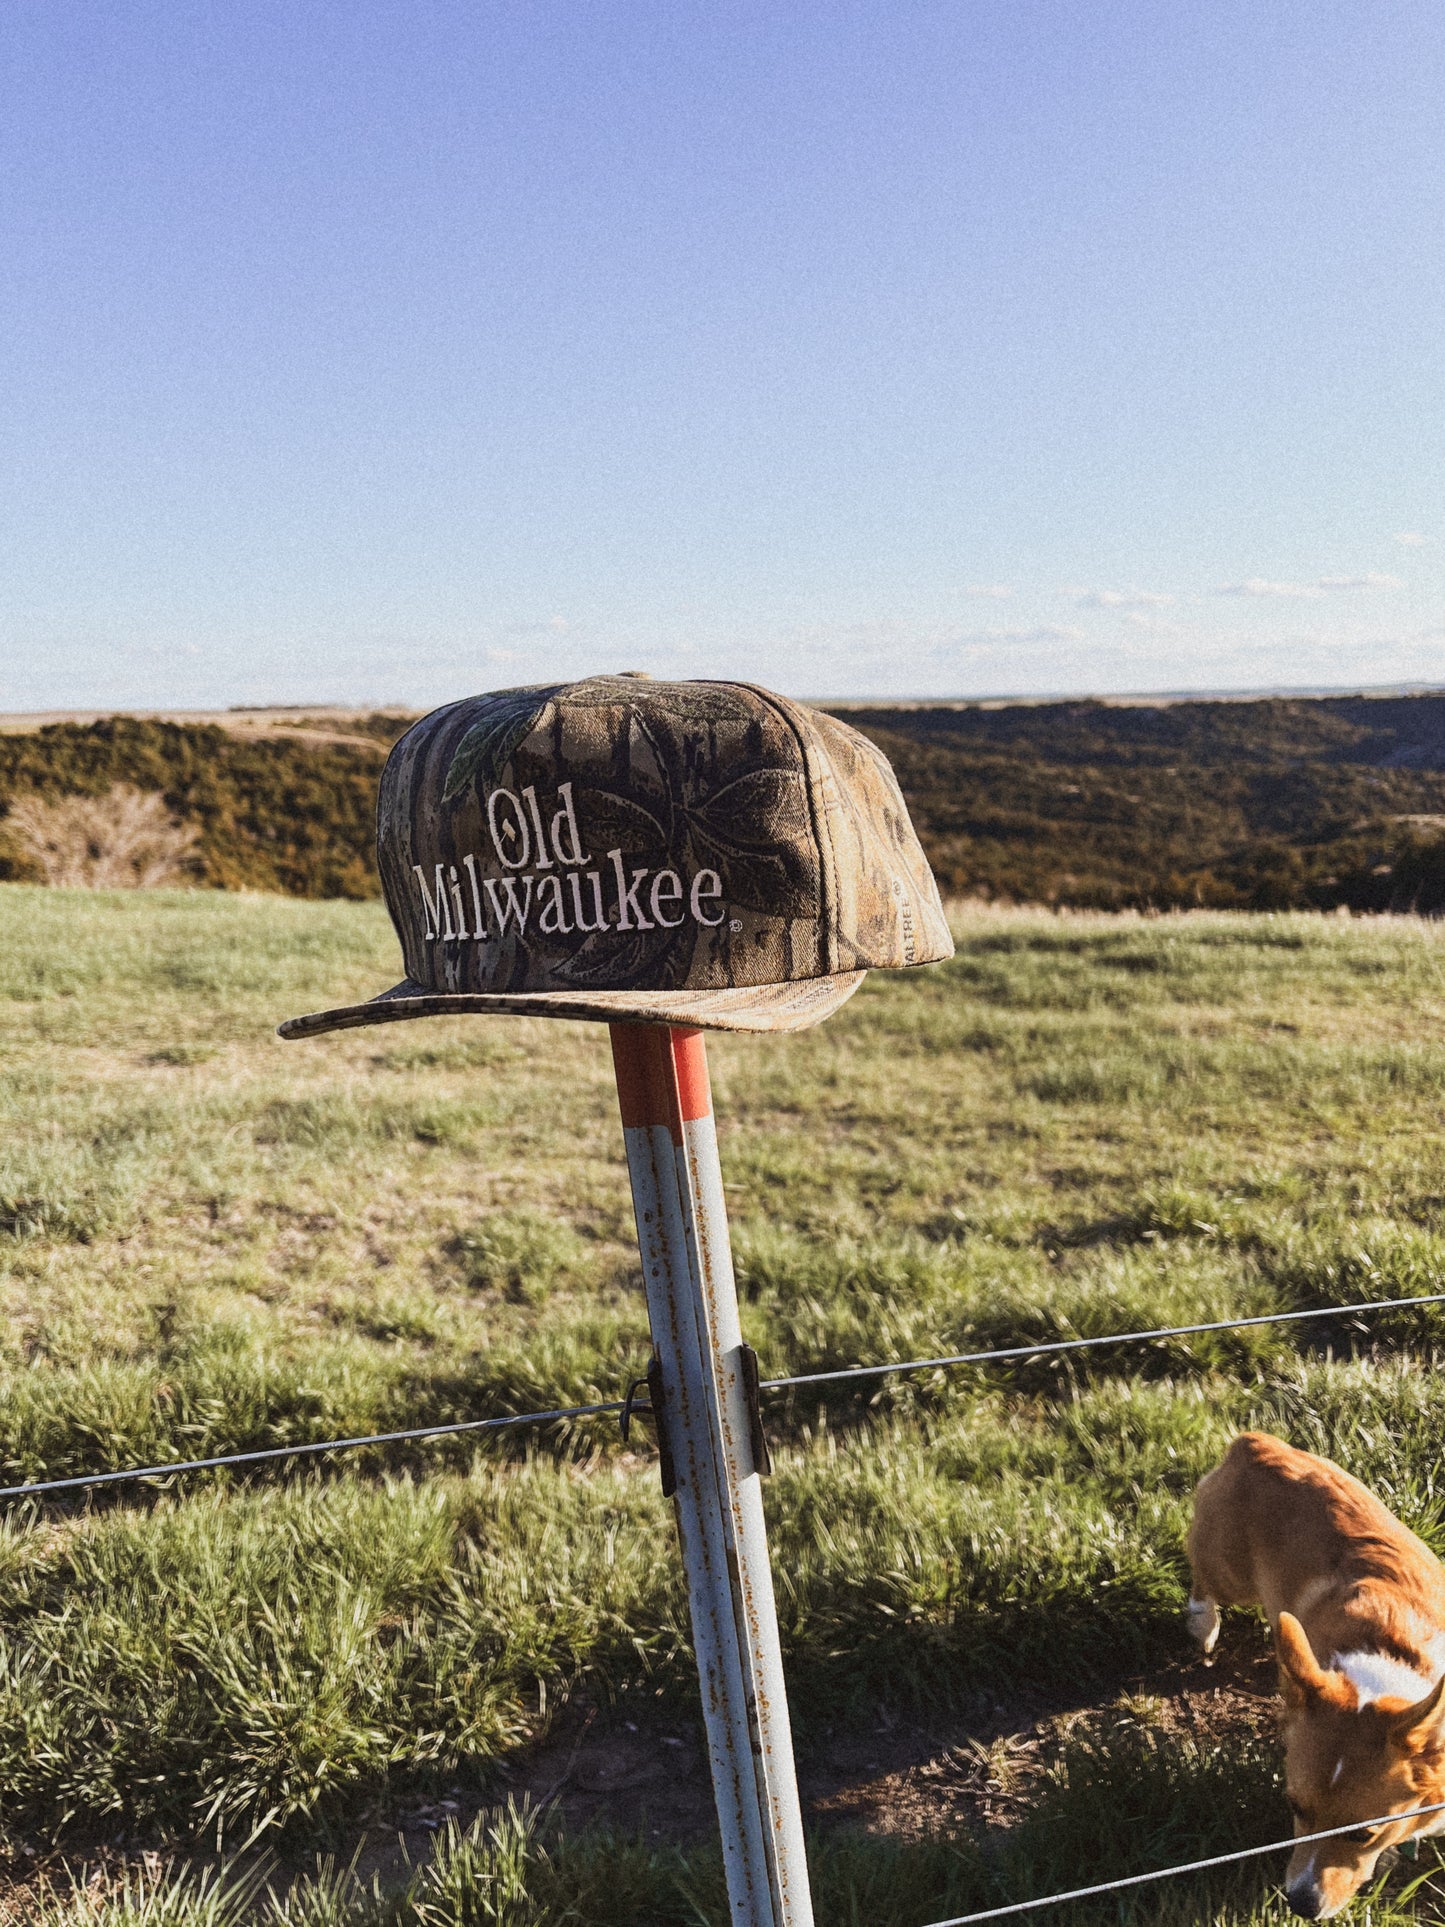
(643, 1772)
(985, 1771)
(889, 1775)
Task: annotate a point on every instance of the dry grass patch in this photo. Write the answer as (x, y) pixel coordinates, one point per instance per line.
(126, 839)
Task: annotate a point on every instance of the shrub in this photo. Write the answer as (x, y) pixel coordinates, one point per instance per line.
(126, 839)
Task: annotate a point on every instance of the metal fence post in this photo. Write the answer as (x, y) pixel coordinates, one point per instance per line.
(709, 1424)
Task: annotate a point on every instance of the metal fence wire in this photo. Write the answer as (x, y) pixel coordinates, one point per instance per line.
(1102, 1887)
(35, 1489)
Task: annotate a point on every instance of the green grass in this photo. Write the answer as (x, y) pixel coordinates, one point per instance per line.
(211, 1240)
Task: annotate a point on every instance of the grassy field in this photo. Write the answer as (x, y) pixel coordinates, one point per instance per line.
(211, 1240)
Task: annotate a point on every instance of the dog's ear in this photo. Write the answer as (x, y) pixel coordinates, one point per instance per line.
(1419, 1725)
(1301, 1676)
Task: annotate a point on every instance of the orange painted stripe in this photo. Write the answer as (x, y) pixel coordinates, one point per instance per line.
(643, 1064)
(661, 1076)
(689, 1055)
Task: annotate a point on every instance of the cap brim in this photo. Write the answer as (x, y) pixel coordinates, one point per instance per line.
(762, 1007)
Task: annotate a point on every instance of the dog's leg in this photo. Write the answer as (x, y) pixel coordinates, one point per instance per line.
(1214, 1578)
(1202, 1618)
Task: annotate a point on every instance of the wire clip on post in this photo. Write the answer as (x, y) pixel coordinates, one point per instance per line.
(653, 1409)
(752, 1396)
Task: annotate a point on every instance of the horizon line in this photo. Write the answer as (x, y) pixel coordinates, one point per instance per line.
(1303, 692)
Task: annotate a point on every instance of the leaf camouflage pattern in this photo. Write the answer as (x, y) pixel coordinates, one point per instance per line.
(488, 745)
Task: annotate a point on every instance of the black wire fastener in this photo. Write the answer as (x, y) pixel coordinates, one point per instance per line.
(653, 1410)
(752, 1387)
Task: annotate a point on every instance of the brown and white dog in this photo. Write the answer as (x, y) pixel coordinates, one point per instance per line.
(1357, 1606)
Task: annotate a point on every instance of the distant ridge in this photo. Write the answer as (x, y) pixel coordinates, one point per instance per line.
(1138, 699)
(1260, 799)
(239, 720)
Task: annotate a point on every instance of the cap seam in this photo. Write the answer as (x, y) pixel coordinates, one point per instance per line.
(822, 838)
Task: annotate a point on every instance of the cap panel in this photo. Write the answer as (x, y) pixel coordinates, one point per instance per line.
(885, 901)
(697, 783)
(394, 841)
(796, 717)
(411, 834)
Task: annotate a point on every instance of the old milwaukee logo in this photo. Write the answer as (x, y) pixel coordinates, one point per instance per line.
(547, 886)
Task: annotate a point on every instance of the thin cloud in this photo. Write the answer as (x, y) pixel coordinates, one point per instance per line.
(1013, 638)
(896, 640)
(1411, 539)
(553, 626)
(1120, 599)
(1256, 585)
(1150, 624)
(988, 591)
(1259, 586)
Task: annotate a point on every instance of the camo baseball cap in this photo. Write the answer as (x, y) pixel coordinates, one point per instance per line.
(702, 854)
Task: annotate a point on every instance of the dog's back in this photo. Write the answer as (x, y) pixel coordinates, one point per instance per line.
(1285, 1530)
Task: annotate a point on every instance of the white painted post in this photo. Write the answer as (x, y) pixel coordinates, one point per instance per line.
(667, 1120)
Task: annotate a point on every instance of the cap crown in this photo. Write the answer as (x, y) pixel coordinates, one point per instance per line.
(624, 834)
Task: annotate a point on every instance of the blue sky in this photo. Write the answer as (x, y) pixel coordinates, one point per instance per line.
(369, 352)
